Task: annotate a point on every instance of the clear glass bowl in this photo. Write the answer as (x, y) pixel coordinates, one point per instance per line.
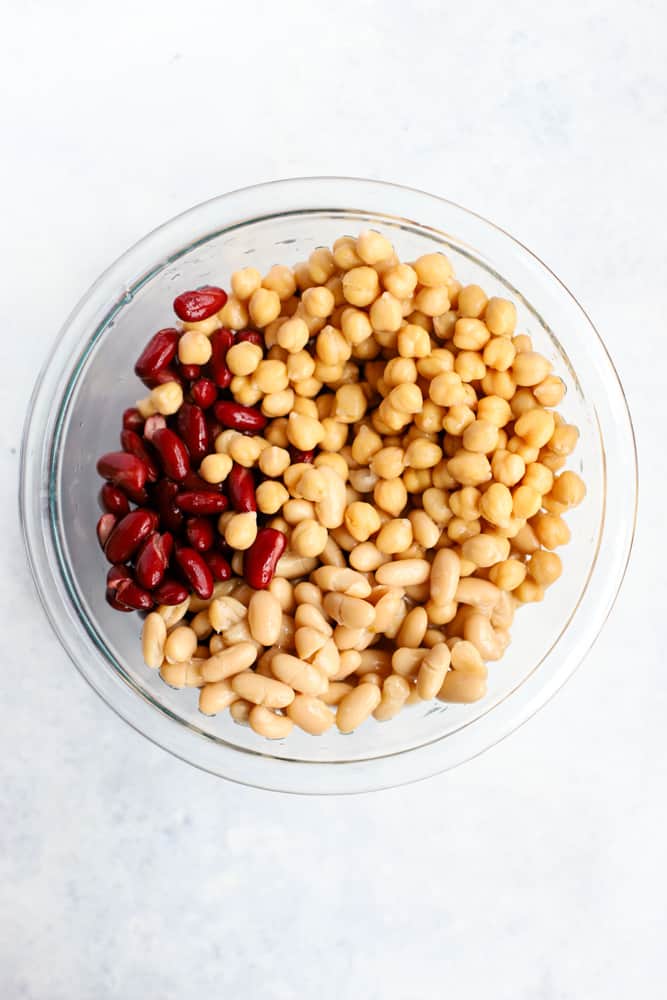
(88, 380)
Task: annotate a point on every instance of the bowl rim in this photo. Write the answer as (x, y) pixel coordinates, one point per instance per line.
(304, 777)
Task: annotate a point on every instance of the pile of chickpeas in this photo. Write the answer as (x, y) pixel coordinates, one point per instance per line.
(428, 507)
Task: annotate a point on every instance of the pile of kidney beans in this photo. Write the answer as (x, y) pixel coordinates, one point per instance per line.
(159, 528)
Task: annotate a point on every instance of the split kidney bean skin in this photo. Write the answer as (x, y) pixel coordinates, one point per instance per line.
(241, 489)
(134, 445)
(133, 420)
(134, 597)
(168, 374)
(200, 533)
(191, 426)
(195, 570)
(155, 423)
(202, 502)
(194, 306)
(238, 417)
(128, 535)
(127, 472)
(116, 576)
(204, 393)
(105, 526)
(173, 453)
(260, 560)
(158, 353)
(298, 456)
(114, 501)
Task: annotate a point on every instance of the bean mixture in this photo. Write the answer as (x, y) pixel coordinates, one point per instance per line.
(346, 477)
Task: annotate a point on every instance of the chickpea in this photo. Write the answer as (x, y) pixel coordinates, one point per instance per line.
(469, 468)
(544, 567)
(436, 505)
(345, 253)
(472, 301)
(243, 358)
(529, 591)
(480, 436)
(350, 405)
(539, 477)
(495, 504)
(499, 353)
(529, 368)
(245, 451)
(391, 495)
(526, 502)
(550, 391)
(241, 531)
(413, 342)
(234, 314)
(215, 468)
(372, 247)
(280, 280)
(432, 301)
(245, 282)
(356, 325)
(361, 520)
(309, 538)
(361, 286)
(447, 390)
(470, 334)
(465, 503)
(500, 317)
(508, 574)
(422, 454)
(551, 530)
(536, 427)
(318, 301)
(194, 348)
(276, 433)
(394, 536)
(433, 269)
(365, 445)
(568, 490)
(321, 265)
(278, 404)
(522, 342)
(563, 441)
(400, 280)
(166, 398)
(470, 366)
(264, 306)
(332, 347)
(444, 325)
(499, 384)
(333, 461)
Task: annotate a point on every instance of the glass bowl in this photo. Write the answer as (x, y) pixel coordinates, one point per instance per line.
(88, 380)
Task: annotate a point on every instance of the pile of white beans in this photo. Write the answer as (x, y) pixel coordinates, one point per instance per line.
(430, 512)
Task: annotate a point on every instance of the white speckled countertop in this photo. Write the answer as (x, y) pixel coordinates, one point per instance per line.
(536, 871)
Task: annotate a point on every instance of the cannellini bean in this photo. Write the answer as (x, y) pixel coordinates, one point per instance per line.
(180, 675)
(153, 638)
(308, 641)
(327, 659)
(479, 593)
(345, 581)
(299, 674)
(214, 698)
(336, 692)
(240, 711)
(352, 638)
(350, 611)
(264, 617)
(229, 661)
(459, 686)
(261, 690)
(180, 644)
(413, 628)
(480, 632)
(357, 706)
(171, 614)
(309, 615)
(432, 670)
(290, 565)
(467, 658)
(403, 572)
(269, 724)
(330, 510)
(406, 661)
(395, 693)
(224, 612)
(310, 714)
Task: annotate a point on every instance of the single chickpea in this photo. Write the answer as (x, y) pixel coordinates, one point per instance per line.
(480, 436)
(447, 390)
(356, 325)
(522, 342)
(390, 495)
(465, 503)
(309, 538)
(470, 334)
(394, 536)
(331, 346)
(245, 282)
(551, 530)
(241, 531)
(417, 480)
(507, 468)
(397, 372)
(568, 489)
(550, 391)
(271, 496)
(300, 365)
(563, 441)
(519, 447)
(271, 376)
(494, 409)
(234, 314)
(526, 502)
(460, 531)
(361, 520)
(373, 247)
(422, 454)
(332, 461)
(433, 269)
(388, 463)
(496, 503)
(500, 384)
(432, 301)
(413, 342)
(400, 280)
(278, 404)
(334, 434)
(508, 574)
(276, 432)
(444, 325)
(539, 477)
(243, 358)
(536, 427)
(436, 505)
(424, 529)
(529, 591)
(469, 366)
(365, 445)
(499, 353)
(345, 254)
(430, 418)
(167, 398)
(304, 433)
(264, 307)
(215, 468)
(469, 468)
(351, 404)
(245, 450)
(281, 280)
(312, 485)
(500, 317)
(530, 368)
(361, 286)
(385, 313)
(318, 301)
(544, 567)
(293, 335)
(194, 348)
(472, 301)
(321, 265)
(442, 477)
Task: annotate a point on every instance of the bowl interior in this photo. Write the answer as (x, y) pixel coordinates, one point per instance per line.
(102, 384)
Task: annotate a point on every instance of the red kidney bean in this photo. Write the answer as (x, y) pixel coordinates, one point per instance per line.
(240, 418)
(132, 596)
(201, 502)
(169, 374)
(298, 456)
(190, 372)
(164, 497)
(133, 445)
(105, 526)
(173, 453)
(128, 535)
(199, 533)
(250, 337)
(116, 576)
(153, 559)
(133, 420)
(193, 482)
(204, 392)
(127, 472)
(194, 306)
(221, 341)
(218, 565)
(159, 352)
(195, 570)
(191, 425)
(241, 489)
(114, 500)
(170, 592)
(155, 423)
(259, 563)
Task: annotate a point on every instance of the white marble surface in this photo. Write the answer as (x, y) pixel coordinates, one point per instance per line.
(536, 871)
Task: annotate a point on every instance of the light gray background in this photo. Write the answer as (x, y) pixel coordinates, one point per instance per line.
(537, 871)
